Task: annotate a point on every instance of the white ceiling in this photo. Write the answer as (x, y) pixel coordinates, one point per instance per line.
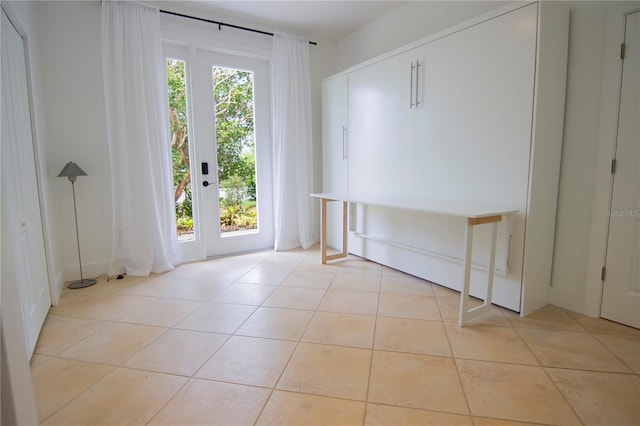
(330, 19)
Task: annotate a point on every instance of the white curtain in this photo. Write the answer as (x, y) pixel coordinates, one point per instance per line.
(293, 162)
(144, 236)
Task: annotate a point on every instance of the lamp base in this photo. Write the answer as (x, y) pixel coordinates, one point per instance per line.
(82, 283)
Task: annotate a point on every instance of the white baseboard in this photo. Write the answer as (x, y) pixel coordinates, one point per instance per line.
(567, 298)
(57, 284)
(89, 270)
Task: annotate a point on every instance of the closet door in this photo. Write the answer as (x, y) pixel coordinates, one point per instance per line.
(20, 202)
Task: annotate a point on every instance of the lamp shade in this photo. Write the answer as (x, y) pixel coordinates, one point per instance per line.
(71, 170)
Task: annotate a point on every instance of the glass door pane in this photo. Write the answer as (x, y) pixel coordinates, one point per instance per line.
(177, 91)
(236, 150)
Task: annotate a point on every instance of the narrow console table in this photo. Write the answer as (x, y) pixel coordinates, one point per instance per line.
(474, 215)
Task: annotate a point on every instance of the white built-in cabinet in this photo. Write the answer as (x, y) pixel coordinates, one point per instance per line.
(473, 114)
(335, 152)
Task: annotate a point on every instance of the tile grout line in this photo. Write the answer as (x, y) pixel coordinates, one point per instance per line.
(115, 368)
(632, 371)
(188, 379)
(229, 336)
(153, 416)
(293, 352)
(544, 369)
(299, 341)
(455, 364)
(573, 410)
(110, 323)
(373, 348)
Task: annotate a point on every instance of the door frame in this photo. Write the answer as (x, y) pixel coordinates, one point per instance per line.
(607, 139)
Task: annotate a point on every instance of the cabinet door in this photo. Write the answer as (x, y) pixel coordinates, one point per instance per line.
(381, 126)
(473, 138)
(335, 164)
(334, 135)
(473, 126)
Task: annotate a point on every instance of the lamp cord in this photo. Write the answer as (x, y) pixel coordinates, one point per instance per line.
(75, 211)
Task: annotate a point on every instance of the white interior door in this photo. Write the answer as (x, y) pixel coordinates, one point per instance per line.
(621, 293)
(20, 200)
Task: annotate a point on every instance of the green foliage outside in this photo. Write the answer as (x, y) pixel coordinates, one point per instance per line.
(234, 108)
(234, 119)
(239, 217)
(180, 145)
(237, 214)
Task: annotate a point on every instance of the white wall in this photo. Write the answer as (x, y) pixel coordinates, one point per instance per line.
(582, 114)
(73, 110)
(415, 20)
(74, 104)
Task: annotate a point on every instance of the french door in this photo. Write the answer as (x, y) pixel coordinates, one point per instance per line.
(221, 150)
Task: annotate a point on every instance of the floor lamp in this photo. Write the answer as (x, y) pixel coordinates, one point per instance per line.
(72, 171)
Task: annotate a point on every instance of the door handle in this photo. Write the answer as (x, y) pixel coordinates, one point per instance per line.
(205, 183)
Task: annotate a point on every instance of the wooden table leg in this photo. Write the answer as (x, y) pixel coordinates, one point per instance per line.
(323, 231)
(345, 222)
(465, 314)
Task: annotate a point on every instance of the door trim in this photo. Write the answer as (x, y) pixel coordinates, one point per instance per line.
(607, 139)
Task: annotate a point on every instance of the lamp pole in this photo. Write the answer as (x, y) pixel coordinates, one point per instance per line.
(75, 214)
(72, 171)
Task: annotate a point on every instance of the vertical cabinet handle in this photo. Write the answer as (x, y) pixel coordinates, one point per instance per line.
(344, 143)
(411, 105)
(414, 102)
(417, 82)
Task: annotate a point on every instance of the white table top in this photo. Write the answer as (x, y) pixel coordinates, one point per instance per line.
(448, 208)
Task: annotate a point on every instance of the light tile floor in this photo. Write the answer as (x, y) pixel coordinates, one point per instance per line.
(278, 338)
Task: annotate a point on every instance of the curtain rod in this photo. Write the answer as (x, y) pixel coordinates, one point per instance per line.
(223, 24)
